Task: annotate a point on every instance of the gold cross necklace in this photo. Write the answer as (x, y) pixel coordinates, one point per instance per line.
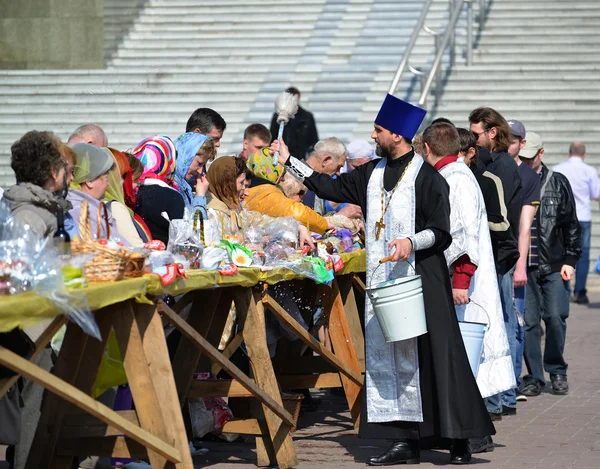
(380, 224)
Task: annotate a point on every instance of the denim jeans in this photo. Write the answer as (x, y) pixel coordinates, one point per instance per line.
(547, 299)
(520, 331)
(583, 264)
(508, 398)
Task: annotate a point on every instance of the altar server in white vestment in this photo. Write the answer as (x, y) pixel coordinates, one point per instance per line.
(470, 258)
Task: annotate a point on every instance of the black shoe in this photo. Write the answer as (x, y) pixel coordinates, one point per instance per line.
(401, 452)
(532, 388)
(481, 445)
(10, 456)
(560, 386)
(506, 411)
(459, 452)
(496, 417)
(581, 300)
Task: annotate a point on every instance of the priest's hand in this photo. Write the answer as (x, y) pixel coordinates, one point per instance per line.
(305, 237)
(284, 152)
(351, 211)
(567, 272)
(401, 249)
(461, 297)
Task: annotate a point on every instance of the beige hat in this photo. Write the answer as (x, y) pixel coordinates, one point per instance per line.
(533, 144)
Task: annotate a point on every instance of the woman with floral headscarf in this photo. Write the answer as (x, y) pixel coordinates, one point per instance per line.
(266, 194)
(194, 151)
(158, 192)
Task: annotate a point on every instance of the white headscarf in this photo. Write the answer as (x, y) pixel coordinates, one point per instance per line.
(359, 149)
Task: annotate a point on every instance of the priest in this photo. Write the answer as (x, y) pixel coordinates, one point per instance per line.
(470, 258)
(424, 386)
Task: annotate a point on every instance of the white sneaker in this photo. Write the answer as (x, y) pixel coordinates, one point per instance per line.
(521, 398)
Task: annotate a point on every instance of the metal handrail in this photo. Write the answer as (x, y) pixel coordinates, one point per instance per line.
(409, 46)
(441, 50)
(441, 44)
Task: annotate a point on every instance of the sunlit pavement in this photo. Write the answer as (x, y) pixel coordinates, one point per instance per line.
(548, 431)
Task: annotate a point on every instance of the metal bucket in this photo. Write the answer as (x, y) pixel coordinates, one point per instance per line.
(473, 334)
(398, 306)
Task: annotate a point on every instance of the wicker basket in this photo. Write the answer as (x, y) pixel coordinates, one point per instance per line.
(292, 403)
(109, 264)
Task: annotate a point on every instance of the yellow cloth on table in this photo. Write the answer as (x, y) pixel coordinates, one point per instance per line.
(246, 277)
(26, 309)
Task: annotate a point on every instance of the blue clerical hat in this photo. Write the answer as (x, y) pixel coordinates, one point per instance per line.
(400, 117)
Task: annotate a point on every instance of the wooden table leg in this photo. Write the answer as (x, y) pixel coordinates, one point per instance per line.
(206, 305)
(161, 372)
(142, 342)
(343, 346)
(345, 285)
(73, 369)
(251, 311)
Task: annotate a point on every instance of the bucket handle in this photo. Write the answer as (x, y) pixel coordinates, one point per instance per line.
(489, 324)
(372, 296)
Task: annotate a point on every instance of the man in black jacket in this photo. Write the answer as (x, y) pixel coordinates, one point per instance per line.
(555, 248)
(300, 133)
(493, 138)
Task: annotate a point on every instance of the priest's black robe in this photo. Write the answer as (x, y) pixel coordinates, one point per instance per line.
(452, 404)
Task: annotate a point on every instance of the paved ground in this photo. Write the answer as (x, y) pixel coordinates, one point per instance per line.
(548, 431)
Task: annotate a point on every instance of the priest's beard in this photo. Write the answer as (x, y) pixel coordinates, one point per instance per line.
(383, 151)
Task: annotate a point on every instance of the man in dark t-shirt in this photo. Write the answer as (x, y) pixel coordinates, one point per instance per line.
(492, 132)
(531, 186)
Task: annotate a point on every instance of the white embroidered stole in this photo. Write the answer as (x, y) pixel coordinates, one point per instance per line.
(392, 370)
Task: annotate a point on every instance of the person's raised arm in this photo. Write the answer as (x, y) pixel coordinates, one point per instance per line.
(348, 187)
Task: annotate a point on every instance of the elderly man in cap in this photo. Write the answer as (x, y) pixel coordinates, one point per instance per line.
(422, 386)
(555, 248)
(530, 195)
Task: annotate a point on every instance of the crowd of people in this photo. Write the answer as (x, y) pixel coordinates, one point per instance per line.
(495, 235)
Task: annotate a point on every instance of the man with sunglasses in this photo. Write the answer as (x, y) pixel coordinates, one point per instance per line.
(493, 136)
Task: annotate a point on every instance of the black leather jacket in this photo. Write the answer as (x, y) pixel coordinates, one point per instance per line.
(559, 233)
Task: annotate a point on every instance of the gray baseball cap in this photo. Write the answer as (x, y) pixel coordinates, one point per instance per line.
(92, 162)
(532, 146)
(517, 128)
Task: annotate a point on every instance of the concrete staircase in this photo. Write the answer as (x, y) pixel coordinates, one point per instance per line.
(164, 58)
(537, 61)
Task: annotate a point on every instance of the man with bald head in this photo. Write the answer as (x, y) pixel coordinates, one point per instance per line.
(586, 186)
(89, 133)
